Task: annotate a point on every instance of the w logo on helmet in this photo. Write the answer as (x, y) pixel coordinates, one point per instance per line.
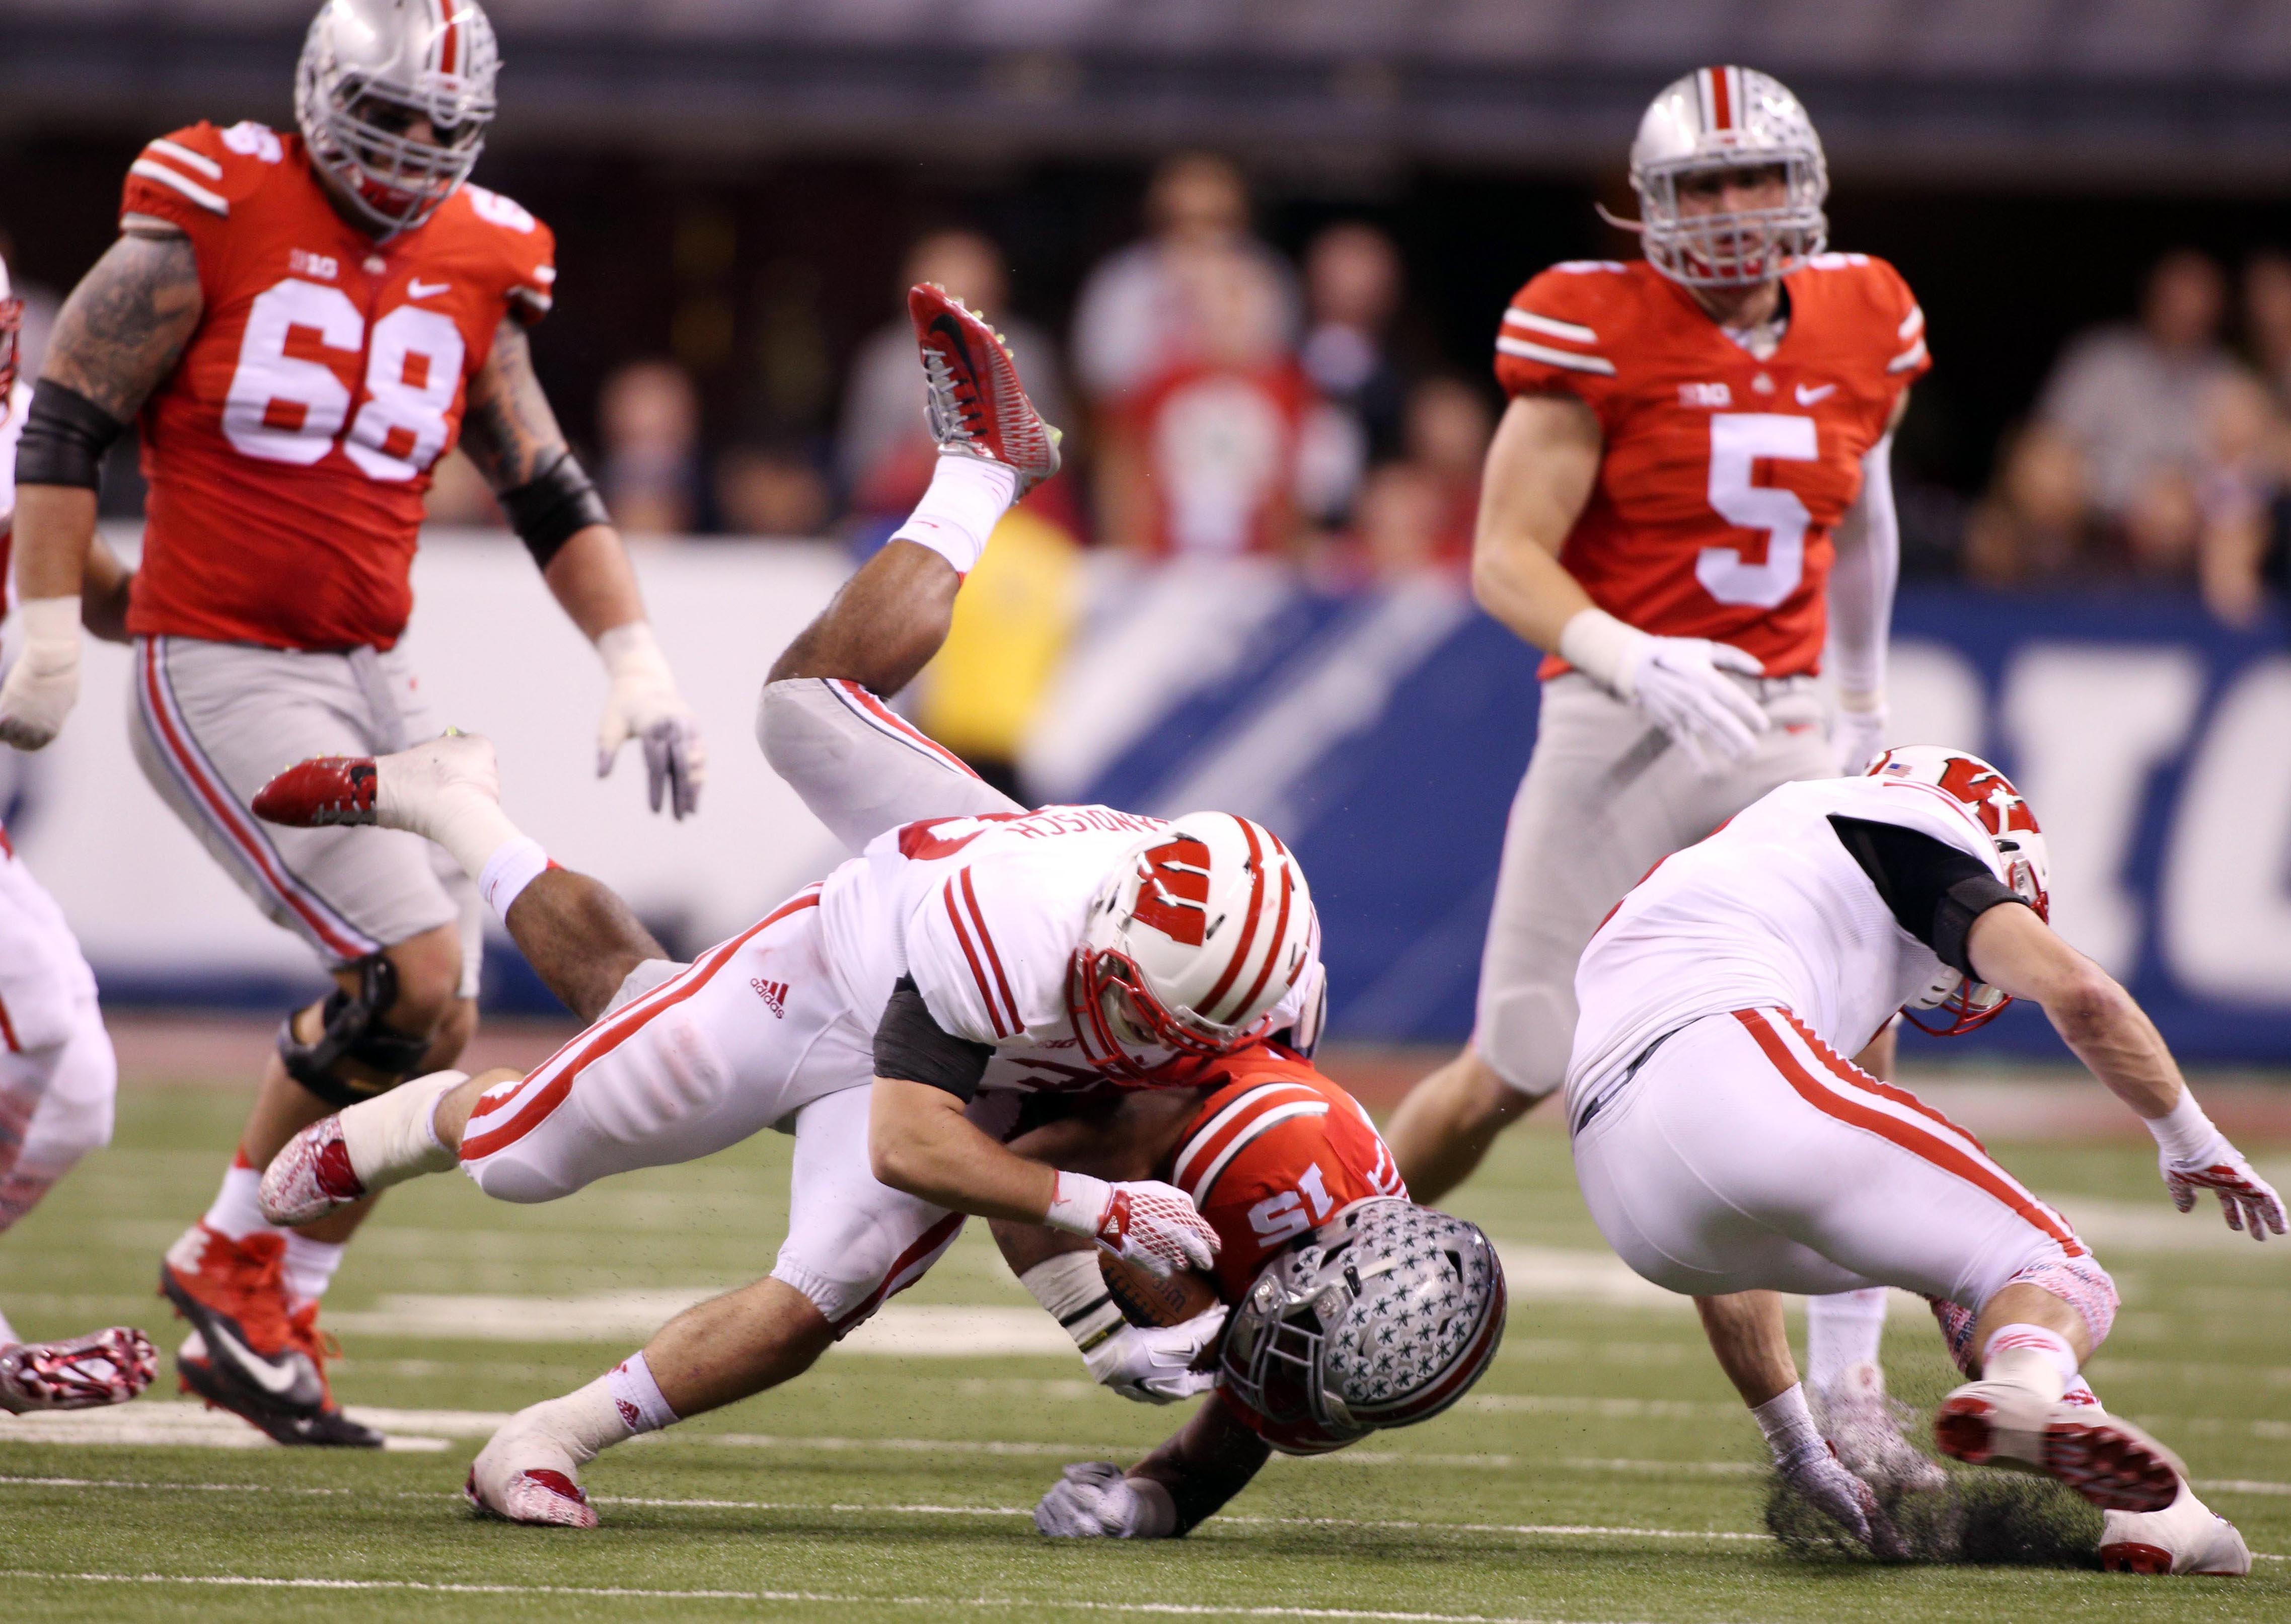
(1174, 898)
(1988, 793)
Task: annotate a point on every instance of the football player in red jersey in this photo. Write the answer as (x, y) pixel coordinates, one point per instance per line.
(1688, 507)
(302, 324)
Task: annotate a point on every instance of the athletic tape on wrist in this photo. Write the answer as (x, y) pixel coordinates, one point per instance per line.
(512, 868)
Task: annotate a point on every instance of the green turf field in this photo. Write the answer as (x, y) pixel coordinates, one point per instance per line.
(1602, 1471)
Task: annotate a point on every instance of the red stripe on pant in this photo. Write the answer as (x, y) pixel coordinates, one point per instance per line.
(1985, 1177)
(536, 1108)
(1846, 1071)
(891, 719)
(931, 1239)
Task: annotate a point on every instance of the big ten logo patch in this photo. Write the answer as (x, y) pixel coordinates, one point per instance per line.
(774, 994)
(1173, 896)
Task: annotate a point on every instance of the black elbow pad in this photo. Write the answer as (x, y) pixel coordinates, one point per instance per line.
(64, 439)
(549, 509)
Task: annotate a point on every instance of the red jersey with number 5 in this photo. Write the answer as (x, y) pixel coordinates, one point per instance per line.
(1273, 1153)
(289, 451)
(1722, 475)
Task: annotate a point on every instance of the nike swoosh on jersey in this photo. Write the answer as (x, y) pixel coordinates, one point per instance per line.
(272, 1379)
(419, 289)
(1807, 398)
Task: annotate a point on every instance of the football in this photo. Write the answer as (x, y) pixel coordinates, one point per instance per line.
(1146, 1300)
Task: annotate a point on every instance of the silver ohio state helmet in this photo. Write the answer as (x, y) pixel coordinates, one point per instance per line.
(2003, 812)
(1384, 1317)
(370, 69)
(1722, 119)
(1195, 936)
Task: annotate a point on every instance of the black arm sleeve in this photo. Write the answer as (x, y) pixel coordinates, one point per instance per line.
(911, 1047)
(65, 437)
(549, 509)
(1936, 891)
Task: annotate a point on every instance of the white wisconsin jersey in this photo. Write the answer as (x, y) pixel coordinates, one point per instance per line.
(12, 429)
(985, 912)
(1770, 911)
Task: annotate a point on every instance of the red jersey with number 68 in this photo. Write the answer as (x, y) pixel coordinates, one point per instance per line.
(289, 451)
(1722, 475)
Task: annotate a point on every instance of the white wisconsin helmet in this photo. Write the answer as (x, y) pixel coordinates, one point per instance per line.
(1721, 118)
(370, 67)
(2019, 844)
(1199, 930)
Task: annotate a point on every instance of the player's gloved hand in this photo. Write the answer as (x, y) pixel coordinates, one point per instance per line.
(45, 680)
(1678, 681)
(2194, 1155)
(1151, 1224)
(1095, 1502)
(1814, 1473)
(1860, 730)
(644, 705)
(1154, 1365)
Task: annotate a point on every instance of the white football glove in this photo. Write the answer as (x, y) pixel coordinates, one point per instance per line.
(644, 704)
(1678, 681)
(1154, 1364)
(1860, 734)
(45, 680)
(1095, 1502)
(1815, 1474)
(2193, 1155)
(1151, 1224)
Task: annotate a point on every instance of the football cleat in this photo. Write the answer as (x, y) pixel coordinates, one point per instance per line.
(2186, 1537)
(523, 1475)
(87, 1373)
(2111, 1462)
(978, 408)
(1864, 1428)
(310, 1176)
(401, 791)
(250, 1351)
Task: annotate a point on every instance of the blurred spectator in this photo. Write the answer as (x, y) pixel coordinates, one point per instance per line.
(2034, 527)
(883, 450)
(1133, 321)
(2130, 398)
(1418, 514)
(2267, 318)
(459, 494)
(648, 419)
(1352, 292)
(2243, 477)
(1223, 453)
(769, 489)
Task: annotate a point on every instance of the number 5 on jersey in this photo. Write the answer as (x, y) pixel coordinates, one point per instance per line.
(1738, 439)
(285, 404)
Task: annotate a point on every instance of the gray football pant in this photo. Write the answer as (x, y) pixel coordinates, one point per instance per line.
(861, 767)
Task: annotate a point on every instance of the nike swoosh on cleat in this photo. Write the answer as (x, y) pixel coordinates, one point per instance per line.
(272, 1379)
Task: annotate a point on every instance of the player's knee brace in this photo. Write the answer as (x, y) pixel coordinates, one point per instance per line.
(351, 1029)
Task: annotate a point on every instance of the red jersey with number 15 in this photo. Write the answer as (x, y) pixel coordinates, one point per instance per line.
(1722, 475)
(289, 451)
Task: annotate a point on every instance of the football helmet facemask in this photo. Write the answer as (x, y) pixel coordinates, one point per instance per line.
(1385, 1316)
(2001, 810)
(1713, 120)
(1197, 934)
(371, 70)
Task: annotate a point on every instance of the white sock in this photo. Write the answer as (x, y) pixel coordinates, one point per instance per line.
(2030, 1355)
(469, 824)
(1072, 1289)
(967, 500)
(637, 1396)
(584, 1422)
(309, 1266)
(514, 865)
(1788, 1425)
(8, 1337)
(393, 1137)
(1842, 1330)
(237, 1210)
(2079, 1392)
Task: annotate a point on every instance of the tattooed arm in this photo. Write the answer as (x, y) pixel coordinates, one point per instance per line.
(509, 431)
(511, 435)
(118, 336)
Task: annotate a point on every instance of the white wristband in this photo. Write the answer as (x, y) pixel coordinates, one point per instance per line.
(1603, 649)
(2183, 1132)
(632, 650)
(512, 866)
(50, 622)
(1079, 1203)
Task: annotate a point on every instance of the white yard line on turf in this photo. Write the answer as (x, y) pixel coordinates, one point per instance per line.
(829, 1598)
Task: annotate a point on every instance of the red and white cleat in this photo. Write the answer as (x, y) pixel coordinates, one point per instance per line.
(977, 405)
(407, 790)
(524, 1476)
(86, 1372)
(2186, 1537)
(2111, 1462)
(310, 1176)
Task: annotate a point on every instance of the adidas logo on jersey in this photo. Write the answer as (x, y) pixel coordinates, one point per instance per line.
(772, 993)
